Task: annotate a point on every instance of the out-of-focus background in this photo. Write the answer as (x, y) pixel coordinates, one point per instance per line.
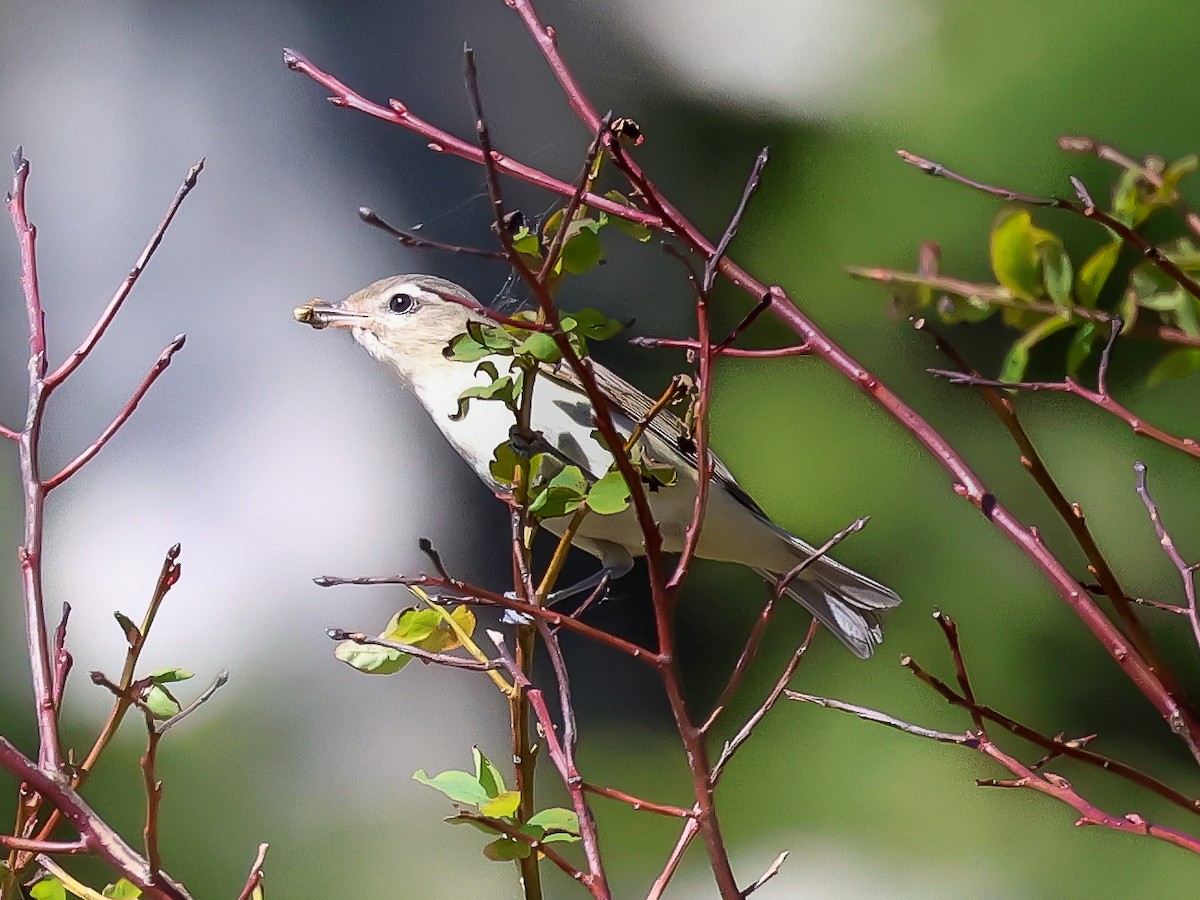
(275, 454)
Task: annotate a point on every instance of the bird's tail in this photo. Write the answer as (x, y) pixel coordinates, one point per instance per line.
(847, 603)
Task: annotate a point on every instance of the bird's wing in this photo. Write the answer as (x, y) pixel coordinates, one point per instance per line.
(666, 426)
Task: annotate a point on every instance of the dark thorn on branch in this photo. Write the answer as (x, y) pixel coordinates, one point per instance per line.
(426, 546)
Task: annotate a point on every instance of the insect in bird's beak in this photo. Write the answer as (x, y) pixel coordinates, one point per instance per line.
(320, 314)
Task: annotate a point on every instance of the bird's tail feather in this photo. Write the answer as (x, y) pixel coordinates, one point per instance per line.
(845, 602)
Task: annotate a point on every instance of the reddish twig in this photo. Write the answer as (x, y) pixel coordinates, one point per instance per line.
(30, 552)
(1043, 782)
(413, 242)
(594, 879)
(441, 659)
(476, 596)
(639, 804)
(692, 346)
(443, 142)
(1071, 513)
(255, 879)
(1187, 571)
(998, 295)
(72, 362)
(1099, 397)
(160, 366)
(750, 649)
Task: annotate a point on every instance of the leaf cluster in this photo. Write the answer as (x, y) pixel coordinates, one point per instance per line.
(486, 803)
(1040, 291)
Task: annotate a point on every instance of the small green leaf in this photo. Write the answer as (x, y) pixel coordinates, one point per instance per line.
(506, 849)
(540, 346)
(133, 634)
(464, 348)
(562, 495)
(1179, 363)
(160, 702)
(526, 242)
(609, 495)
(49, 888)
(1094, 273)
(556, 819)
(1014, 253)
(461, 787)
(590, 323)
(122, 890)
(504, 463)
(502, 806)
(1057, 272)
(1081, 346)
(582, 252)
(172, 675)
(486, 773)
(1017, 358)
(370, 659)
(633, 229)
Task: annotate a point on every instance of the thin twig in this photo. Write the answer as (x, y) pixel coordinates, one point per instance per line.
(1187, 571)
(413, 242)
(72, 362)
(441, 659)
(256, 876)
(160, 366)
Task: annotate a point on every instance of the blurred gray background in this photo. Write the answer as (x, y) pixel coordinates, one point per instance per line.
(275, 454)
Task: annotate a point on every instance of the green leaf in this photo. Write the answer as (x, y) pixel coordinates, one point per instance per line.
(526, 243)
(49, 888)
(633, 229)
(461, 787)
(562, 495)
(590, 323)
(371, 659)
(540, 346)
(582, 252)
(122, 890)
(1014, 253)
(160, 702)
(464, 348)
(503, 465)
(502, 806)
(506, 849)
(609, 495)
(1017, 358)
(1179, 363)
(1057, 272)
(507, 389)
(133, 634)
(1081, 346)
(556, 819)
(1094, 273)
(172, 675)
(1128, 204)
(487, 774)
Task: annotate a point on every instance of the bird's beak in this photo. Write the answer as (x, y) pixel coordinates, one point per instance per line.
(320, 314)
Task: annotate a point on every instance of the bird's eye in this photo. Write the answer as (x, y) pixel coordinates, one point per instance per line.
(402, 303)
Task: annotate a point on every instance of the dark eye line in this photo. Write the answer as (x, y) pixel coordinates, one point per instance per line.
(402, 303)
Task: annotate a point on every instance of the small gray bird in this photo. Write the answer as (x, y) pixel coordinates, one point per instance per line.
(408, 320)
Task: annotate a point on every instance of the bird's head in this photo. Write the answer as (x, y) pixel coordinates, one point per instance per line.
(404, 321)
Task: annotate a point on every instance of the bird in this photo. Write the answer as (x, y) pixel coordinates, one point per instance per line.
(406, 322)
